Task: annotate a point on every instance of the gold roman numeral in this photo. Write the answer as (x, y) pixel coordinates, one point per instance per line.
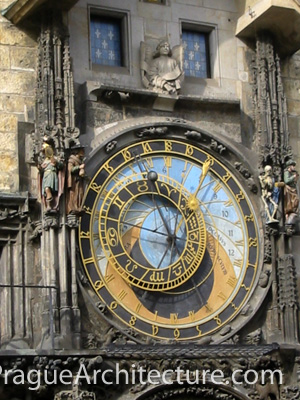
(228, 203)
(239, 242)
(168, 161)
(149, 162)
(122, 295)
(109, 278)
(138, 307)
(208, 308)
(238, 262)
(217, 187)
(222, 296)
(231, 281)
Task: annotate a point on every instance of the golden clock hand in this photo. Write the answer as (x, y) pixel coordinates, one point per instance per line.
(193, 203)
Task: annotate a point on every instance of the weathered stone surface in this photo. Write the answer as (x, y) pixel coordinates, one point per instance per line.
(285, 67)
(11, 35)
(292, 87)
(294, 68)
(293, 107)
(5, 3)
(8, 123)
(16, 103)
(98, 116)
(22, 58)
(17, 82)
(293, 122)
(4, 57)
(8, 141)
(8, 171)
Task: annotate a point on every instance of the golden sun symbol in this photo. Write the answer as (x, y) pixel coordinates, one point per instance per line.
(193, 203)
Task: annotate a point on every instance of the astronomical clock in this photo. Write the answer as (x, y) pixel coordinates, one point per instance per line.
(170, 240)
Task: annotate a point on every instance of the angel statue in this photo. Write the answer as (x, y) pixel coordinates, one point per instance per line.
(162, 70)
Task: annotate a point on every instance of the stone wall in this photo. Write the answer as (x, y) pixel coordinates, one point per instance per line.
(17, 83)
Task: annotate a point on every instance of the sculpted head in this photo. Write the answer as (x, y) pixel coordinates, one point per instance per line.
(268, 170)
(163, 49)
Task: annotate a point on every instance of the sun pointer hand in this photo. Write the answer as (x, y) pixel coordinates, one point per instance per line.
(193, 203)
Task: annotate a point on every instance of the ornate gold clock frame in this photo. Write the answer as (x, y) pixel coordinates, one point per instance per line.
(170, 239)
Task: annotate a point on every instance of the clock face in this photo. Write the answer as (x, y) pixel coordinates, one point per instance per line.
(169, 239)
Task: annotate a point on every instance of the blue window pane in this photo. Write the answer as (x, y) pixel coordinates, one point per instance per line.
(195, 54)
(105, 41)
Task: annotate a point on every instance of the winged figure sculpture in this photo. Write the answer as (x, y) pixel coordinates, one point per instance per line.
(162, 70)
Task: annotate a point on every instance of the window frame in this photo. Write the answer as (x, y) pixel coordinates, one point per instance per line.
(122, 17)
(163, 3)
(211, 45)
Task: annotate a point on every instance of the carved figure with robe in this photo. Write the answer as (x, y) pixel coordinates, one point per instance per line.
(162, 70)
(75, 180)
(51, 177)
(291, 197)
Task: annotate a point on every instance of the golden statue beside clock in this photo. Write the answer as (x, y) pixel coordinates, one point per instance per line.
(169, 239)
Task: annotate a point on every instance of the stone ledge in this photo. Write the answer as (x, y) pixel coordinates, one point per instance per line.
(20, 10)
(92, 91)
(155, 351)
(279, 17)
(17, 199)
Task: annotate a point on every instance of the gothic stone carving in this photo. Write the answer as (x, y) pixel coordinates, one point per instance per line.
(288, 297)
(291, 198)
(270, 194)
(162, 70)
(51, 177)
(75, 180)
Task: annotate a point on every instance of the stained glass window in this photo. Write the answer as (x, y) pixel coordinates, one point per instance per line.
(195, 54)
(106, 46)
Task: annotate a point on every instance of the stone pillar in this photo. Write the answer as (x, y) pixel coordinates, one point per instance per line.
(6, 294)
(288, 298)
(73, 225)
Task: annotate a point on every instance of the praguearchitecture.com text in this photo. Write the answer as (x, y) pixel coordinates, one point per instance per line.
(34, 378)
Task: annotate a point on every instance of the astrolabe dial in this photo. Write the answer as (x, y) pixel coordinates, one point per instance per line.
(169, 239)
(148, 233)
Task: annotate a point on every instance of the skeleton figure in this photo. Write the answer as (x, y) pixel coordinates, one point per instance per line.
(270, 193)
(162, 71)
